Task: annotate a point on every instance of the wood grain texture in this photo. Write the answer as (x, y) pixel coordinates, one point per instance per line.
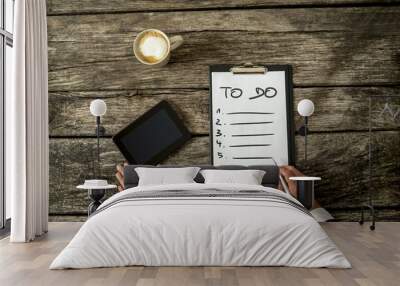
(57, 7)
(94, 52)
(72, 161)
(123, 108)
(341, 51)
(382, 214)
(371, 20)
(374, 257)
(337, 109)
(68, 218)
(339, 158)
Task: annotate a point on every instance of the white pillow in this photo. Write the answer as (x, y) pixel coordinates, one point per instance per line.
(247, 177)
(165, 176)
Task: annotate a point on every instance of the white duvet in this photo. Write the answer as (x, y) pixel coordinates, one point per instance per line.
(200, 231)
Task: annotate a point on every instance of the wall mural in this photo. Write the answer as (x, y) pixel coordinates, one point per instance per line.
(340, 56)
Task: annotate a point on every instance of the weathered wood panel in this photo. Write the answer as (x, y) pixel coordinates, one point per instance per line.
(67, 218)
(324, 59)
(73, 160)
(337, 109)
(339, 158)
(56, 7)
(113, 26)
(123, 108)
(382, 214)
(93, 52)
(338, 53)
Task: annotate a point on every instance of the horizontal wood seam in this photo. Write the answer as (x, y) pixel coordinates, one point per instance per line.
(394, 85)
(102, 137)
(394, 207)
(211, 30)
(250, 7)
(354, 131)
(207, 135)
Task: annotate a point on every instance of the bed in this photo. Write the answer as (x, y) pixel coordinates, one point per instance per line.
(201, 224)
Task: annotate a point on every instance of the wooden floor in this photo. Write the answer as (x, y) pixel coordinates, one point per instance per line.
(375, 257)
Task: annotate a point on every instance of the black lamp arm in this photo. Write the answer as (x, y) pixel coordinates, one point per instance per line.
(100, 131)
(303, 129)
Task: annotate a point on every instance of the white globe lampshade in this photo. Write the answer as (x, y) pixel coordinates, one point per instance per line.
(305, 107)
(98, 107)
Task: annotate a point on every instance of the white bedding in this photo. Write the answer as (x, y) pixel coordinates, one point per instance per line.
(200, 231)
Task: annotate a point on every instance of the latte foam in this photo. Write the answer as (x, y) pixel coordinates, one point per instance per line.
(153, 47)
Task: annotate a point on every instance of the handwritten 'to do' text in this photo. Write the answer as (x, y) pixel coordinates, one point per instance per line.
(234, 92)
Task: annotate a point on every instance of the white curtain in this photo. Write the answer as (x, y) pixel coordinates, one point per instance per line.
(27, 124)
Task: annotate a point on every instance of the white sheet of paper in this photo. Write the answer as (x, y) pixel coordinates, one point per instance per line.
(249, 122)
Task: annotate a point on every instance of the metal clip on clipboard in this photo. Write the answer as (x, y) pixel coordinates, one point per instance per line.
(248, 68)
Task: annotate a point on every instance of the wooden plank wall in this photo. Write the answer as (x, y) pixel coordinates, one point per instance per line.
(341, 51)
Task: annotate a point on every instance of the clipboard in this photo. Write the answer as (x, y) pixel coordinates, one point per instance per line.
(251, 115)
(249, 68)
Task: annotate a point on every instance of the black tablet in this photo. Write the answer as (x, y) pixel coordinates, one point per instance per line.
(153, 136)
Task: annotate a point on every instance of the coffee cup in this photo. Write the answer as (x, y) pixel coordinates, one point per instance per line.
(153, 47)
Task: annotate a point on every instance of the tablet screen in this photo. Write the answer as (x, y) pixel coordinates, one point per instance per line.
(153, 136)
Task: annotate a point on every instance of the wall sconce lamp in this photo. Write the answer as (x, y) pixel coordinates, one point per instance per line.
(98, 108)
(305, 108)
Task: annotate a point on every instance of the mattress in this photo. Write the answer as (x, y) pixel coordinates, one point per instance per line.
(201, 225)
